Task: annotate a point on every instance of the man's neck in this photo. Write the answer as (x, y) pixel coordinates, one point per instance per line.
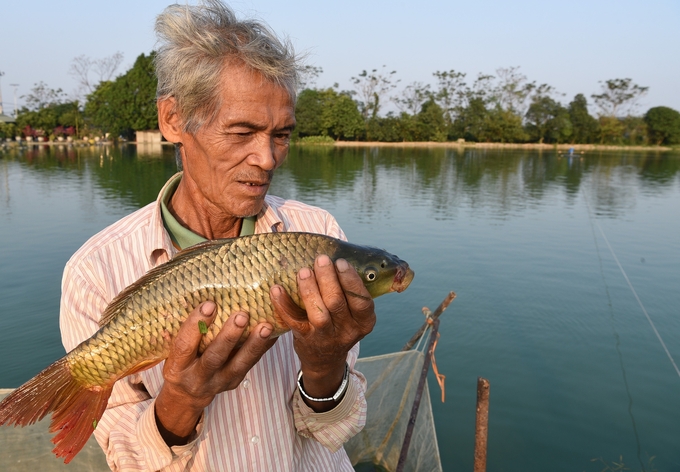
(203, 218)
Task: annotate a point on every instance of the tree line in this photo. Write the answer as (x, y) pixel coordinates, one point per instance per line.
(504, 107)
(102, 106)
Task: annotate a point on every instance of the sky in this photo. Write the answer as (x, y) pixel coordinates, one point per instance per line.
(572, 46)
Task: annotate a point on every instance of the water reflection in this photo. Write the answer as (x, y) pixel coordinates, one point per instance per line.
(542, 309)
(499, 183)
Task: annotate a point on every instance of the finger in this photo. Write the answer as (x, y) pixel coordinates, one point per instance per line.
(359, 300)
(331, 290)
(310, 294)
(258, 342)
(288, 311)
(219, 350)
(186, 343)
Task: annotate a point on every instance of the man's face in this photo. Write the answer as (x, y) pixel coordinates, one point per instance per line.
(231, 160)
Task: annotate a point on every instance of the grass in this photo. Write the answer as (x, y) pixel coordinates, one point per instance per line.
(615, 466)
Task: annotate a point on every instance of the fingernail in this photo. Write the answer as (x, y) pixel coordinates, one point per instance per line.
(323, 260)
(265, 331)
(207, 308)
(240, 320)
(276, 291)
(342, 265)
(305, 273)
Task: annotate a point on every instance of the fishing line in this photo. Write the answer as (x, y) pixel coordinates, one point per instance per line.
(630, 285)
(616, 337)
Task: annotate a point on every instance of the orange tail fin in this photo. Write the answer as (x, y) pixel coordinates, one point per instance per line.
(76, 410)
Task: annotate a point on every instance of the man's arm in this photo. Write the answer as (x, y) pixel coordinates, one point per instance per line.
(339, 312)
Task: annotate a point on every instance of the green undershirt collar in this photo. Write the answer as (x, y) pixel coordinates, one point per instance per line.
(182, 236)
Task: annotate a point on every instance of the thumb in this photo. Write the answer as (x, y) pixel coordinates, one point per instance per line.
(288, 311)
(185, 345)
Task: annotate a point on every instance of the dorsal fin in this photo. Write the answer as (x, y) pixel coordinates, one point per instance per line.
(153, 274)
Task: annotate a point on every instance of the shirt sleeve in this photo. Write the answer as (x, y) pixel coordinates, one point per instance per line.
(127, 431)
(335, 427)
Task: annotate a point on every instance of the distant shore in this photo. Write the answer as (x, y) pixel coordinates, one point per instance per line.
(532, 146)
(418, 144)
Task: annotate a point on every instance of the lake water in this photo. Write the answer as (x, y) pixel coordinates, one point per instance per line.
(578, 376)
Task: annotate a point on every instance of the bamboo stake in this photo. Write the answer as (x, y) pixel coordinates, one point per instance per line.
(440, 309)
(482, 424)
(416, 401)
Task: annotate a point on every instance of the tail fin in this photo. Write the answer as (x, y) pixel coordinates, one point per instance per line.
(76, 410)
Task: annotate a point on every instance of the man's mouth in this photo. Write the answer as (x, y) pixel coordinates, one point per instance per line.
(255, 184)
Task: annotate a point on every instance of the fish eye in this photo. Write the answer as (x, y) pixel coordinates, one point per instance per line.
(371, 274)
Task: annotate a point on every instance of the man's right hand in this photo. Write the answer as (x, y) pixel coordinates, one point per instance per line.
(193, 380)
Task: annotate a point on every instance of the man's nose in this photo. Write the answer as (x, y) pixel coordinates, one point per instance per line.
(263, 152)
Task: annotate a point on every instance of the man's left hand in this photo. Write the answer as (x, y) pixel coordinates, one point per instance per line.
(339, 312)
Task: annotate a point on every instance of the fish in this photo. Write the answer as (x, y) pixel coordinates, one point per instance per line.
(137, 327)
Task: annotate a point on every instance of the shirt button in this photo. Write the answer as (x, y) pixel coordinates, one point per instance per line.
(255, 439)
(245, 383)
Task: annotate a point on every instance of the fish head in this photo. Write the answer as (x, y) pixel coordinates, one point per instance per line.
(380, 271)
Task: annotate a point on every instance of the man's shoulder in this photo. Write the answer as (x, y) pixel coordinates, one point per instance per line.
(292, 206)
(298, 216)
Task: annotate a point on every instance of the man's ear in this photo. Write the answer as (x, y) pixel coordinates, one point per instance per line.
(168, 120)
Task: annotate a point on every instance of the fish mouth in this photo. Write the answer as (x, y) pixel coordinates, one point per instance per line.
(403, 278)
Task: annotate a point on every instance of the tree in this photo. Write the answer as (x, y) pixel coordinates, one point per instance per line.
(504, 126)
(328, 113)
(431, 122)
(340, 118)
(385, 129)
(611, 130)
(413, 97)
(42, 96)
(372, 89)
(308, 111)
(663, 125)
(45, 110)
(91, 72)
(619, 97)
(308, 76)
(128, 103)
(634, 130)
(547, 120)
(450, 90)
(585, 128)
(513, 90)
(471, 119)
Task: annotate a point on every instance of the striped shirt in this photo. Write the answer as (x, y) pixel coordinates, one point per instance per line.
(263, 425)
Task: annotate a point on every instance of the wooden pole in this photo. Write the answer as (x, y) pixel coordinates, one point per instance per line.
(416, 401)
(440, 309)
(482, 424)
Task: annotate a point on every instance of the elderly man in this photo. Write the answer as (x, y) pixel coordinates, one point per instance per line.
(226, 98)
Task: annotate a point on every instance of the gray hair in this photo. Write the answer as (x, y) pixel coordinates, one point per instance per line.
(196, 43)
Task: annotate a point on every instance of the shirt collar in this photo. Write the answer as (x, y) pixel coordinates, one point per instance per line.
(268, 219)
(159, 242)
(182, 236)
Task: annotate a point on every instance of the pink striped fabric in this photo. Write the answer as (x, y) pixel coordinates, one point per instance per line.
(263, 425)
